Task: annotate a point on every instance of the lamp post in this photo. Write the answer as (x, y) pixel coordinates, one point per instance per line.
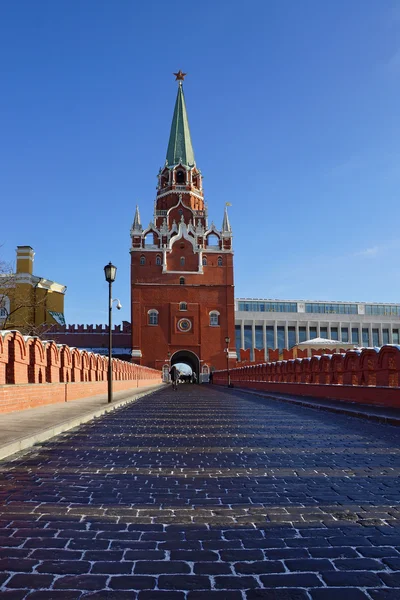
(227, 342)
(110, 273)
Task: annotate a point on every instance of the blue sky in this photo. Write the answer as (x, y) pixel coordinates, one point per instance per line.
(294, 113)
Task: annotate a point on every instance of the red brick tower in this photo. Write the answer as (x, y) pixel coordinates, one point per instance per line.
(182, 268)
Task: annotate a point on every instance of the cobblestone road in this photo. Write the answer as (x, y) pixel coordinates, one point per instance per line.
(204, 494)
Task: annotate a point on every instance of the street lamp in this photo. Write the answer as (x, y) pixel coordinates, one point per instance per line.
(110, 273)
(227, 342)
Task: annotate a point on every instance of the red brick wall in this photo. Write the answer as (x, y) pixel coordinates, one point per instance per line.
(31, 372)
(91, 336)
(367, 375)
(23, 396)
(203, 293)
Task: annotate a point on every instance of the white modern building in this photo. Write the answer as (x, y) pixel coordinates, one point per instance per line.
(271, 324)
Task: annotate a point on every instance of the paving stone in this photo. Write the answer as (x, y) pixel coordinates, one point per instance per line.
(14, 565)
(184, 582)
(13, 595)
(214, 595)
(81, 582)
(55, 595)
(64, 567)
(336, 552)
(309, 564)
(338, 594)
(280, 594)
(351, 578)
(392, 563)
(161, 567)
(385, 594)
(377, 552)
(205, 493)
(231, 582)
(358, 564)
(237, 555)
(132, 582)
(291, 580)
(112, 568)
(390, 579)
(109, 595)
(254, 568)
(160, 595)
(212, 568)
(30, 581)
(194, 556)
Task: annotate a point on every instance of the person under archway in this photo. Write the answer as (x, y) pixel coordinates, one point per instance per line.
(174, 374)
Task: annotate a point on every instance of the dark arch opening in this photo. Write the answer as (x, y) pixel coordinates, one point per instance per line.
(180, 177)
(188, 358)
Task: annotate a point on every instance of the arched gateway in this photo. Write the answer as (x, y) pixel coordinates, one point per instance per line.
(189, 358)
(182, 268)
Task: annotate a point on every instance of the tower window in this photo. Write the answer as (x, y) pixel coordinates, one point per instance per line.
(214, 318)
(180, 177)
(181, 281)
(182, 261)
(142, 260)
(220, 261)
(153, 317)
(204, 261)
(158, 259)
(183, 306)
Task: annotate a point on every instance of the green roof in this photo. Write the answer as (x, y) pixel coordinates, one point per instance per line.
(180, 147)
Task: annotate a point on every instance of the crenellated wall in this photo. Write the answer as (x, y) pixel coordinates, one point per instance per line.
(369, 375)
(33, 372)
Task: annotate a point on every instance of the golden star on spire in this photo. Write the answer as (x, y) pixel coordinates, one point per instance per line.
(179, 76)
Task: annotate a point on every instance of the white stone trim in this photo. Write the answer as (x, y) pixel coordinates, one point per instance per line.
(14, 278)
(178, 192)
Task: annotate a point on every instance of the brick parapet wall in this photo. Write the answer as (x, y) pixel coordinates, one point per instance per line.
(369, 375)
(90, 336)
(33, 373)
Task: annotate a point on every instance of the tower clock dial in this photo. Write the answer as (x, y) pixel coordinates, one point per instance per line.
(184, 325)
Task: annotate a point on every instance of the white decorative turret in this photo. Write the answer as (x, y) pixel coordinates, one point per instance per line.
(226, 226)
(137, 225)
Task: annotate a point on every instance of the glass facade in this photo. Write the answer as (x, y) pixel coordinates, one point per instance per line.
(270, 337)
(302, 334)
(259, 337)
(281, 337)
(238, 339)
(248, 342)
(268, 306)
(333, 309)
(291, 336)
(369, 337)
(382, 309)
(248, 339)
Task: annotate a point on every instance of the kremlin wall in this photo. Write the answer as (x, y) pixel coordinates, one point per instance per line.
(34, 373)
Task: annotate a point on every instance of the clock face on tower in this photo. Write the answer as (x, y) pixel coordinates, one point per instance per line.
(184, 325)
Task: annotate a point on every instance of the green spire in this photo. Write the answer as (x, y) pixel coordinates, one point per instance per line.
(180, 147)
